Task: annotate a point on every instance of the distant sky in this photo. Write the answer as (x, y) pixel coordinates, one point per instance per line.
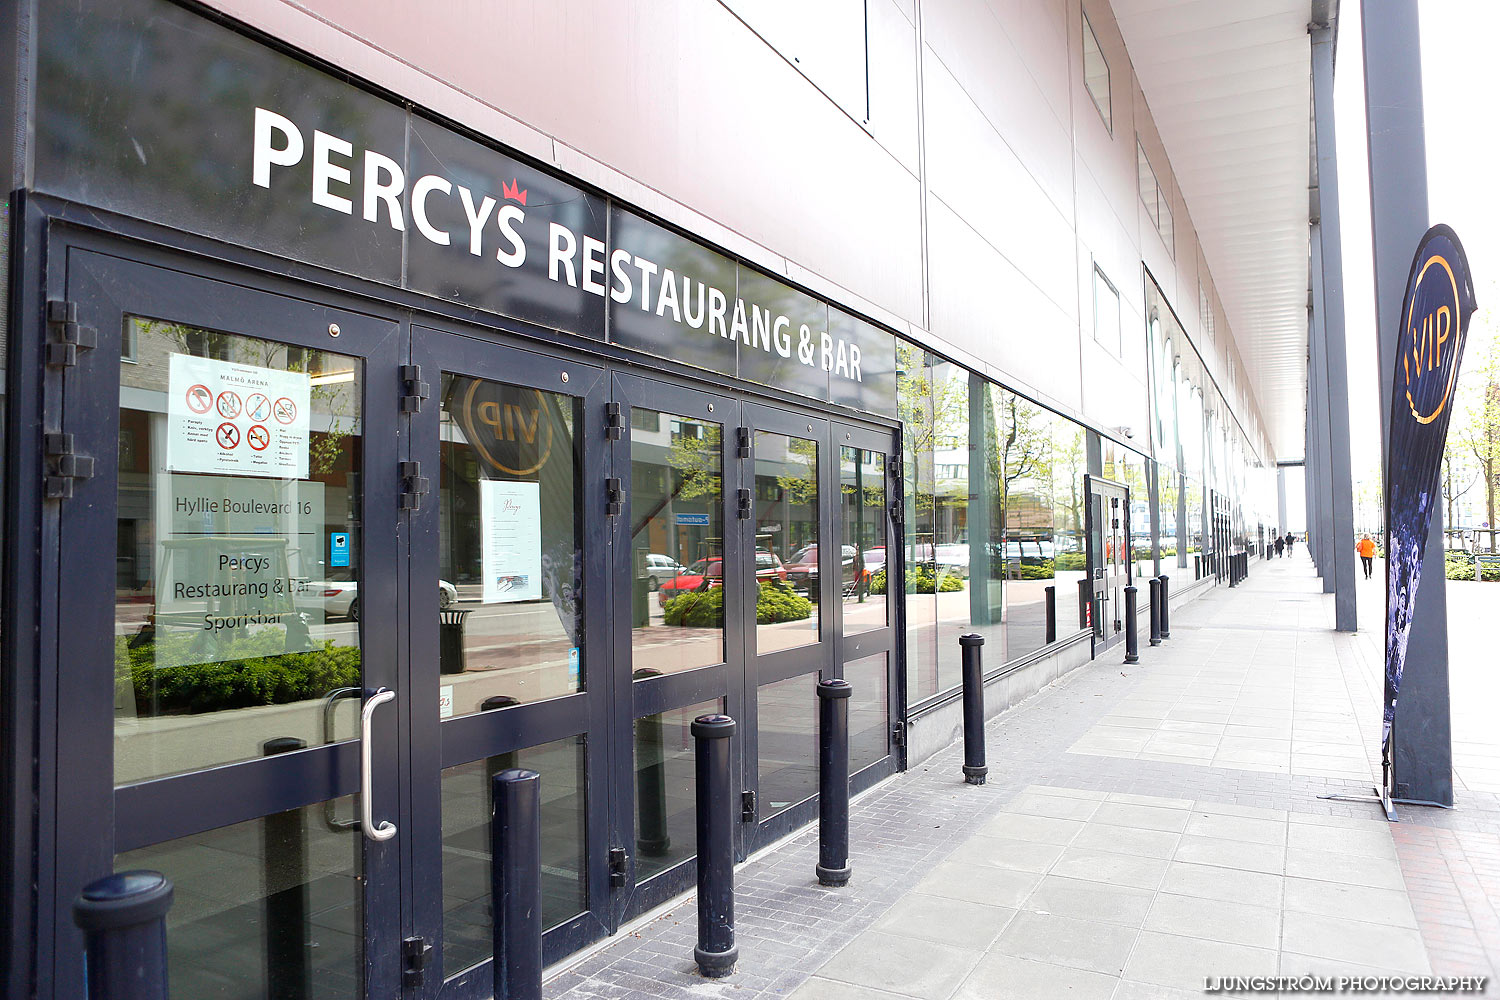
(1463, 150)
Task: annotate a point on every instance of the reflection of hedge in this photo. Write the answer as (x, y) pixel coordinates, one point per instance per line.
(1069, 561)
(251, 670)
(920, 580)
(1039, 571)
(776, 602)
(1460, 566)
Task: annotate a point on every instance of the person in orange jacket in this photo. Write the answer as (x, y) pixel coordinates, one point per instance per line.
(1366, 549)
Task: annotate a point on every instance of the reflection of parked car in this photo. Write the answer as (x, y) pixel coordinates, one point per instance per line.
(659, 568)
(802, 568)
(954, 559)
(709, 572)
(340, 598)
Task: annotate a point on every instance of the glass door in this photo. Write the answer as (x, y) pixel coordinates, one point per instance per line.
(226, 652)
(509, 643)
(678, 611)
(1109, 562)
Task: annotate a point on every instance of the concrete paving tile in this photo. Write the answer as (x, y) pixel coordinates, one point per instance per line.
(992, 886)
(1349, 902)
(1089, 900)
(1231, 809)
(958, 922)
(1038, 829)
(1004, 977)
(1156, 801)
(1057, 940)
(1116, 869)
(1127, 840)
(1374, 945)
(899, 963)
(1054, 806)
(1184, 962)
(1372, 843)
(1327, 866)
(1142, 816)
(1211, 882)
(1128, 990)
(1269, 858)
(1255, 831)
(818, 988)
(1216, 920)
(1076, 793)
(1002, 852)
(1371, 822)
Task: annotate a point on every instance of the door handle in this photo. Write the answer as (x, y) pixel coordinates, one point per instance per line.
(383, 830)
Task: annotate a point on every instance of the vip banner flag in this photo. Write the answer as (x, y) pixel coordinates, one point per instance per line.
(1434, 323)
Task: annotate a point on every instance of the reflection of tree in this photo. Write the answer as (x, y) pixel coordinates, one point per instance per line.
(695, 467)
(799, 484)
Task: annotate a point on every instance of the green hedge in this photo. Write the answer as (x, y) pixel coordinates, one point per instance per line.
(1069, 561)
(776, 602)
(920, 580)
(1460, 566)
(250, 670)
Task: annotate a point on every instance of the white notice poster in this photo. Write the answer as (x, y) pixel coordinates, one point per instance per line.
(227, 417)
(511, 516)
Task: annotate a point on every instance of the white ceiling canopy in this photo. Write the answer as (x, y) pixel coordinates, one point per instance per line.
(1229, 87)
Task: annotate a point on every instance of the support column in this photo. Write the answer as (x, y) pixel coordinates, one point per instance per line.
(1423, 750)
(1280, 502)
(1323, 486)
(1331, 280)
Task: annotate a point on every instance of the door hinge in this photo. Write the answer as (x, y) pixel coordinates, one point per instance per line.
(413, 389)
(413, 485)
(614, 426)
(66, 335)
(742, 442)
(416, 953)
(64, 465)
(614, 496)
(898, 734)
(747, 807)
(619, 863)
(744, 506)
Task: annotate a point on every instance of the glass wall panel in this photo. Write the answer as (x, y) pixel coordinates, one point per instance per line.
(666, 833)
(987, 504)
(238, 539)
(677, 542)
(786, 541)
(271, 907)
(869, 711)
(914, 400)
(1069, 463)
(1027, 460)
(468, 934)
(948, 579)
(509, 545)
(787, 735)
(862, 478)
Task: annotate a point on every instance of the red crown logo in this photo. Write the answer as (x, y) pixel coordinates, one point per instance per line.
(509, 192)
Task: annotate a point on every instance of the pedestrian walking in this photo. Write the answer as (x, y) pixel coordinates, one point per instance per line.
(1366, 549)
(1291, 539)
(1280, 544)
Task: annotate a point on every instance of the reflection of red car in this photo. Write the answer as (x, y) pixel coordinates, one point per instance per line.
(709, 572)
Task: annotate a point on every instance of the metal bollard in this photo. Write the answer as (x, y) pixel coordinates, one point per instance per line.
(1085, 594)
(973, 678)
(1166, 628)
(1197, 567)
(1155, 587)
(833, 781)
(287, 907)
(1050, 636)
(1132, 642)
(124, 921)
(1234, 570)
(516, 884)
(652, 837)
(715, 952)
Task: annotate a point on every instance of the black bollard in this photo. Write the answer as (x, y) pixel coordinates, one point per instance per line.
(716, 952)
(1051, 634)
(124, 921)
(516, 884)
(652, 838)
(1166, 629)
(493, 765)
(833, 781)
(1197, 567)
(1234, 570)
(973, 678)
(1132, 642)
(1155, 585)
(1085, 594)
(287, 907)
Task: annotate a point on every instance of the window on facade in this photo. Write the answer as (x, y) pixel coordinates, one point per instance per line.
(1154, 197)
(1096, 73)
(1106, 314)
(1205, 314)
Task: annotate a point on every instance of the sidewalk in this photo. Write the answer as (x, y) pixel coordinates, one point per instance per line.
(1144, 828)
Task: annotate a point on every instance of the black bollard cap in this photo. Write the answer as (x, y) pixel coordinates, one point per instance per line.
(712, 727)
(498, 701)
(123, 899)
(835, 687)
(511, 774)
(282, 744)
(971, 640)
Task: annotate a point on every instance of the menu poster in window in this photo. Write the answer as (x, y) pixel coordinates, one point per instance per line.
(223, 416)
(234, 568)
(511, 520)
